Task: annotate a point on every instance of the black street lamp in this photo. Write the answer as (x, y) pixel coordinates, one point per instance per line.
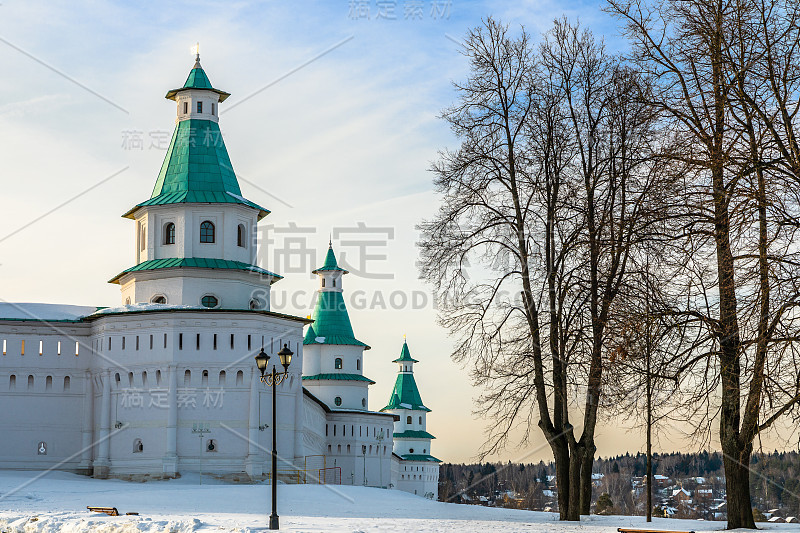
(273, 380)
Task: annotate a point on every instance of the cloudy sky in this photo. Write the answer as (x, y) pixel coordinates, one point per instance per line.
(332, 124)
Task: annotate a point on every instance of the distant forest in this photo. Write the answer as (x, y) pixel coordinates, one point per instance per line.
(774, 478)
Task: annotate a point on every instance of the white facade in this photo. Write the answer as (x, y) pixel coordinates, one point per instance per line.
(166, 384)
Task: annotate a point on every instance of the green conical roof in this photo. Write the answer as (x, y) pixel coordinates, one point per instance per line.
(330, 262)
(197, 168)
(331, 322)
(198, 79)
(405, 394)
(405, 355)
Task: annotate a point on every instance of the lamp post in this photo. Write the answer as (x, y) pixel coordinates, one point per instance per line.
(274, 379)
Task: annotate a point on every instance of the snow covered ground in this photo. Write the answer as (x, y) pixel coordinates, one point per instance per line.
(57, 502)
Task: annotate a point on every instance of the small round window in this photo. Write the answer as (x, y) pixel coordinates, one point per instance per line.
(411, 450)
(209, 301)
(337, 401)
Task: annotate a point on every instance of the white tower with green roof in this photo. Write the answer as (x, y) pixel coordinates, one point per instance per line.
(418, 470)
(194, 240)
(334, 358)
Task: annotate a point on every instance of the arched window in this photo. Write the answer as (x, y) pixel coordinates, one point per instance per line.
(158, 299)
(48, 383)
(209, 301)
(127, 301)
(187, 378)
(211, 446)
(66, 383)
(12, 382)
(204, 379)
(207, 232)
(337, 401)
(337, 363)
(169, 233)
(408, 420)
(138, 447)
(255, 304)
(241, 236)
(239, 377)
(30, 382)
(222, 378)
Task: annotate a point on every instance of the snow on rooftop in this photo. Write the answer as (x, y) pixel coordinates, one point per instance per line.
(144, 307)
(38, 311)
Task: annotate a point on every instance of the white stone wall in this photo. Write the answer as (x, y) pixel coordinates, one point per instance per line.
(348, 434)
(43, 394)
(420, 478)
(233, 289)
(191, 97)
(187, 219)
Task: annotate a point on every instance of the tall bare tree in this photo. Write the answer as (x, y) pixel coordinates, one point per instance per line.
(727, 72)
(552, 177)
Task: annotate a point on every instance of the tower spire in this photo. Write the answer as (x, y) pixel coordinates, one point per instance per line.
(197, 56)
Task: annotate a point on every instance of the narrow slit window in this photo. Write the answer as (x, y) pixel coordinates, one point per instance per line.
(198, 341)
(185, 107)
(22, 348)
(199, 107)
(180, 341)
(215, 341)
(165, 340)
(213, 108)
(59, 348)
(41, 348)
(4, 346)
(77, 347)
(151, 342)
(232, 341)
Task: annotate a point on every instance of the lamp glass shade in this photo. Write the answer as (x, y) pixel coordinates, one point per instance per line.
(261, 361)
(285, 356)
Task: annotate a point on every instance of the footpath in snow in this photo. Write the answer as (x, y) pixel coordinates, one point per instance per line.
(56, 502)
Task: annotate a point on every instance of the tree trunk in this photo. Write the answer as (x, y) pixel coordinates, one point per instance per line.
(586, 479)
(561, 457)
(575, 468)
(737, 482)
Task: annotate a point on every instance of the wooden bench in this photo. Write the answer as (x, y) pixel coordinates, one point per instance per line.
(639, 530)
(110, 511)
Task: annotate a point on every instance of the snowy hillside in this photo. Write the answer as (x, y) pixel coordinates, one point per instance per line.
(57, 503)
